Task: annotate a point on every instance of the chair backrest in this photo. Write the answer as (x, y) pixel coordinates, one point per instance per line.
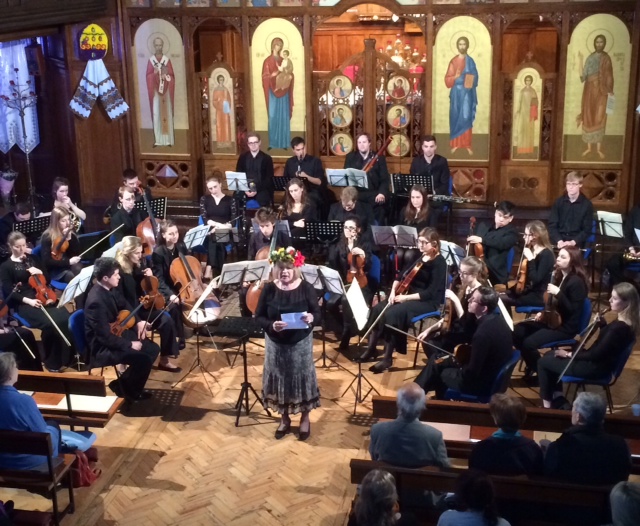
(586, 314)
(375, 272)
(502, 380)
(510, 257)
(36, 251)
(76, 326)
(200, 221)
(622, 360)
(26, 443)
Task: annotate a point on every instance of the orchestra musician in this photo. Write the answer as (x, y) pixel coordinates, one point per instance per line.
(132, 348)
(538, 252)
(433, 165)
(309, 169)
(18, 269)
(377, 193)
(415, 214)
(349, 205)
(126, 214)
(601, 357)
(490, 350)
(298, 209)
(425, 294)
(131, 181)
(568, 288)
(21, 212)
(463, 324)
(353, 241)
(266, 219)
(497, 240)
(571, 216)
(60, 194)
(259, 169)
(60, 248)
(217, 210)
(616, 266)
(133, 270)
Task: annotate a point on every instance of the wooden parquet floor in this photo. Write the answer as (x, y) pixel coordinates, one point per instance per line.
(179, 459)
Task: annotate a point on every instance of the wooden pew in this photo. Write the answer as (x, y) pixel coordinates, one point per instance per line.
(538, 419)
(540, 493)
(45, 481)
(68, 385)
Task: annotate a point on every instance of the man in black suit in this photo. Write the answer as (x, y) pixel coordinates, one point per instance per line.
(377, 193)
(259, 169)
(491, 349)
(585, 454)
(571, 216)
(497, 241)
(130, 181)
(433, 165)
(132, 348)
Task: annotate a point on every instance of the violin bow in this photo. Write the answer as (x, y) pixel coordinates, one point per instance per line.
(101, 240)
(419, 339)
(169, 304)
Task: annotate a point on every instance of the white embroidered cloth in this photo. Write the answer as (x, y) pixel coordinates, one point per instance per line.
(97, 84)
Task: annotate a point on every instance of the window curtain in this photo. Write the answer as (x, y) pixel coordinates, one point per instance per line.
(12, 57)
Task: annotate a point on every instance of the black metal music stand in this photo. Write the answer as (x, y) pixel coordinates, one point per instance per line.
(323, 233)
(280, 183)
(402, 183)
(33, 228)
(242, 328)
(357, 390)
(158, 207)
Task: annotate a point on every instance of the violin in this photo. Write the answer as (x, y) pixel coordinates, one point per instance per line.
(474, 249)
(44, 294)
(124, 320)
(147, 230)
(152, 298)
(186, 272)
(521, 278)
(550, 315)
(448, 310)
(461, 353)
(59, 246)
(356, 270)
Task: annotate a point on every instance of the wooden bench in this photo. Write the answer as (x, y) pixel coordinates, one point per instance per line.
(52, 388)
(539, 493)
(45, 481)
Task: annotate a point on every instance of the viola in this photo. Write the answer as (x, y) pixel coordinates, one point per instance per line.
(461, 353)
(474, 249)
(124, 320)
(44, 294)
(521, 279)
(550, 315)
(59, 246)
(356, 270)
(186, 272)
(152, 298)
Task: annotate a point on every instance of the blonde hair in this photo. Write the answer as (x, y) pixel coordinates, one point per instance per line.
(631, 313)
(538, 229)
(54, 223)
(129, 245)
(574, 177)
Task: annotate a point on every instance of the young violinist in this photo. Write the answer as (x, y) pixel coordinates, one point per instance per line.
(298, 209)
(426, 279)
(539, 257)
(357, 244)
(217, 210)
(61, 199)
(18, 269)
(377, 192)
(462, 323)
(60, 248)
(566, 292)
(261, 239)
(490, 349)
(133, 272)
(126, 214)
(131, 181)
(131, 348)
(415, 214)
(497, 240)
(601, 357)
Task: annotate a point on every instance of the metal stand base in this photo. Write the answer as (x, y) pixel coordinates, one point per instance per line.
(243, 397)
(357, 390)
(198, 364)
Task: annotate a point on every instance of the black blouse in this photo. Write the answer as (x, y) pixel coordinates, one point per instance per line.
(429, 282)
(222, 212)
(308, 213)
(573, 292)
(52, 265)
(338, 255)
(12, 273)
(539, 272)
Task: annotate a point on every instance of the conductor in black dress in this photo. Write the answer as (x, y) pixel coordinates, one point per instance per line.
(377, 193)
(259, 169)
(433, 165)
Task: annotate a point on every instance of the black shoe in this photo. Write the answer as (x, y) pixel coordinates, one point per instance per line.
(303, 435)
(560, 402)
(344, 343)
(380, 367)
(181, 344)
(529, 373)
(368, 356)
(115, 386)
(282, 432)
(144, 395)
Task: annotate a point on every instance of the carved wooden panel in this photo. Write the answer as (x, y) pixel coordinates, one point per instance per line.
(168, 178)
(507, 119)
(27, 14)
(546, 120)
(470, 182)
(603, 187)
(525, 185)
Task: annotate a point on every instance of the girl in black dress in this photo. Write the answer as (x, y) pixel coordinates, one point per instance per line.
(58, 265)
(601, 357)
(217, 210)
(415, 215)
(297, 208)
(60, 194)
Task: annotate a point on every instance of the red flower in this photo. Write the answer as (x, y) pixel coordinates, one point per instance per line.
(299, 259)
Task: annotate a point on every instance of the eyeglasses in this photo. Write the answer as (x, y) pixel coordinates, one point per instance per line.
(350, 228)
(253, 142)
(463, 273)
(572, 183)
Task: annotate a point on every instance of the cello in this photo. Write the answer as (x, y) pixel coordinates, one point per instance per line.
(255, 290)
(147, 230)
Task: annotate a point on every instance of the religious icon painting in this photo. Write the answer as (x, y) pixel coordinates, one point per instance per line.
(289, 3)
(167, 3)
(227, 3)
(199, 3)
(341, 143)
(341, 116)
(398, 87)
(340, 87)
(222, 111)
(399, 145)
(93, 43)
(398, 116)
(527, 106)
(139, 3)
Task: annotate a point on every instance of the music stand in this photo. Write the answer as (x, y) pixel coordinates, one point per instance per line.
(158, 207)
(323, 233)
(111, 252)
(347, 177)
(609, 226)
(280, 183)
(452, 253)
(237, 181)
(33, 228)
(397, 236)
(402, 183)
(76, 286)
(357, 390)
(244, 329)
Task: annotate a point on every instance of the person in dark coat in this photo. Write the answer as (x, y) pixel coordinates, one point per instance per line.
(132, 348)
(349, 205)
(259, 169)
(126, 215)
(571, 216)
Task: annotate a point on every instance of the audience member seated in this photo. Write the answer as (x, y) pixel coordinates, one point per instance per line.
(406, 441)
(377, 503)
(625, 504)
(474, 503)
(19, 412)
(585, 454)
(507, 452)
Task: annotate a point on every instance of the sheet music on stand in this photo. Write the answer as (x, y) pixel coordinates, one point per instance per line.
(237, 181)
(402, 183)
(397, 236)
(196, 236)
(358, 304)
(32, 227)
(158, 207)
(111, 252)
(452, 253)
(243, 271)
(347, 177)
(323, 232)
(323, 278)
(610, 224)
(76, 286)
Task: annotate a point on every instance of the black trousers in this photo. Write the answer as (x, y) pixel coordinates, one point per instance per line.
(166, 329)
(441, 376)
(550, 367)
(133, 380)
(10, 342)
(528, 336)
